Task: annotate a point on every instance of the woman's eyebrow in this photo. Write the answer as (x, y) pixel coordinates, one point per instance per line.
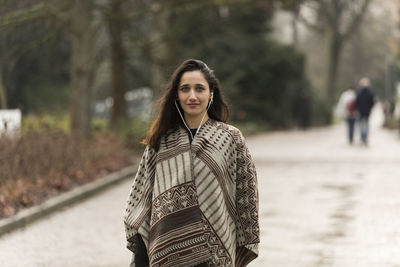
(186, 84)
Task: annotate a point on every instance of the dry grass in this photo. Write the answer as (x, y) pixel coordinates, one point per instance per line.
(40, 165)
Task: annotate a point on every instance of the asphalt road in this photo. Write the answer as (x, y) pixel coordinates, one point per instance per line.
(322, 203)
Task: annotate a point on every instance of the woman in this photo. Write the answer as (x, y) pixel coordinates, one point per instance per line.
(194, 200)
(346, 109)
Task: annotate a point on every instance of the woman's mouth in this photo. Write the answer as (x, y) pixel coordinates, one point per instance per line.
(193, 105)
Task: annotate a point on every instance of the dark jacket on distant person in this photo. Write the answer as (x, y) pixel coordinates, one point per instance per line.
(364, 101)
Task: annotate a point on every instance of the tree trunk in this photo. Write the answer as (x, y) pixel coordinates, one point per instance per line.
(294, 22)
(358, 56)
(159, 51)
(82, 67)
(333, 63)
(3, 94)
(3, 62)
(115, 24)
(335, 12)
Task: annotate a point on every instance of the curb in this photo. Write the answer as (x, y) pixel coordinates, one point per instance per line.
(53, 204)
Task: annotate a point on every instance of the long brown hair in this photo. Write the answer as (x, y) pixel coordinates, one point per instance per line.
(168, 117)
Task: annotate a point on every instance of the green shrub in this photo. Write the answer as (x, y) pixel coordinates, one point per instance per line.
(45, 122)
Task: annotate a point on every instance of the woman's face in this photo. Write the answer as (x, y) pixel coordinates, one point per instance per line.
(193, 94)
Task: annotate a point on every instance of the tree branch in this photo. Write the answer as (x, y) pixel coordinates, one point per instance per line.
(355, 23)
(311, 25)
(56, 12)
(325, 9)
(22, 15)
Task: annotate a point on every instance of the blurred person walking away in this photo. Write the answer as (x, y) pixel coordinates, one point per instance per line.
(347, 109)
(364, 103)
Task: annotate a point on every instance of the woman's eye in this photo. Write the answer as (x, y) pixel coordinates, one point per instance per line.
(199, 88)
(185, 89)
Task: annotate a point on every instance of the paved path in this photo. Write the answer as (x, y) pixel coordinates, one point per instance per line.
(84, 235)
(323, 203)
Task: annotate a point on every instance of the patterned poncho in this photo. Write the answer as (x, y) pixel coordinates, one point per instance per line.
(196, 202)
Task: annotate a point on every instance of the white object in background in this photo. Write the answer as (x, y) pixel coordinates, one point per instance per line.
(10, 122)
(396, 112)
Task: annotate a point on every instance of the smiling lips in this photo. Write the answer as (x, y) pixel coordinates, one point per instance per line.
(193, 105)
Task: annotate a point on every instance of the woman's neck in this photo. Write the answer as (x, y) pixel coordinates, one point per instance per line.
(194, 122)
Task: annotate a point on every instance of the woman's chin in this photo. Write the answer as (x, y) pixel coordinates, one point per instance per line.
(193, 113)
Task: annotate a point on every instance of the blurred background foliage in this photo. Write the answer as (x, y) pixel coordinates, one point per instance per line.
(86, 74)
(282, 63)
(138, 43)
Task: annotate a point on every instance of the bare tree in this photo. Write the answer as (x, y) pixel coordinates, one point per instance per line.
(77, 18)
(339, 19)
(12, 45)
(294, 7)
(115, 19)
(7, 62)
(82, 65)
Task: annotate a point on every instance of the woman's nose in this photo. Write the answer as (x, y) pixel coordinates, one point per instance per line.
(192, 94)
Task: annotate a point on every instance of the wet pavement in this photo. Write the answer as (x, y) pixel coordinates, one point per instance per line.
(322, 203)
(326, 203)
(87, 234)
